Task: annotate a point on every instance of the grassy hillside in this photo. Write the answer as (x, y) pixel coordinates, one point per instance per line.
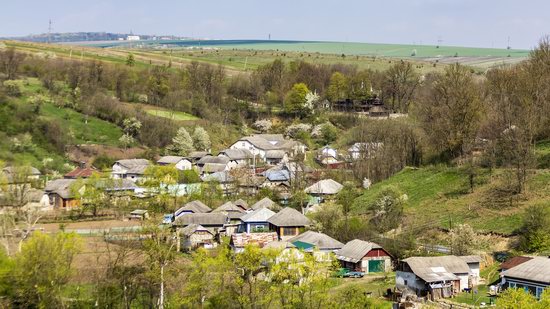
(437, 195)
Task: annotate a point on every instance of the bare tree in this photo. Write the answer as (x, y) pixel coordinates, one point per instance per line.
(10, 61)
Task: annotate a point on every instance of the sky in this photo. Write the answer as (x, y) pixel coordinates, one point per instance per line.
(477, 23)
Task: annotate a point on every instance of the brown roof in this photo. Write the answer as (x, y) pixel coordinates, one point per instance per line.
(514, 261)
(80, 172)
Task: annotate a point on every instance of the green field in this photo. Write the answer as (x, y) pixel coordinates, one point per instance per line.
(173, 115)
(437, 195)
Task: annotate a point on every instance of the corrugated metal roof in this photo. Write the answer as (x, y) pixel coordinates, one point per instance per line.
(325, 186)
(355, 250)
(201, 218)
(437, 268)
(537, 269)
(319, 240)
(259, 215)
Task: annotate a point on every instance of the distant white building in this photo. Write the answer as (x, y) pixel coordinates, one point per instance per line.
(132, 169)
(133, 38)
(272, 148)
(181, 163)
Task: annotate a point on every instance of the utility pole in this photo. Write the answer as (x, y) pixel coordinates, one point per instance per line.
(50, 31)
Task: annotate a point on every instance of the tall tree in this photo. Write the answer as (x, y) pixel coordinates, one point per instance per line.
(295, 101)
(10, 61)
(182, 143)
(338, 87)
(201, 139)
(400, 85)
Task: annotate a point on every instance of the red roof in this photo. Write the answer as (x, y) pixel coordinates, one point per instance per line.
(80, 172)
(515, 261)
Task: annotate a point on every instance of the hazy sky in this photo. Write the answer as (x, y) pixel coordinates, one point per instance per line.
(485, 23)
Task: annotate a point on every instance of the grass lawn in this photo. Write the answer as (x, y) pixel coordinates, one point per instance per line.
(542, 152)
(84, 129)
(376, 286)
(438, 194)
(173, 115)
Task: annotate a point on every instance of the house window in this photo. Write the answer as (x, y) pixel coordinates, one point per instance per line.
(512, 285)
(539, 292)
(406, 283)
(289, 231)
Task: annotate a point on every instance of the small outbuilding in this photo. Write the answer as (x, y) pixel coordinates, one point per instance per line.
(139, 214)
(365, 256)
(196, 236)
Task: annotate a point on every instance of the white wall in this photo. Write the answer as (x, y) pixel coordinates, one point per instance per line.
(183, 165)
(412, 282)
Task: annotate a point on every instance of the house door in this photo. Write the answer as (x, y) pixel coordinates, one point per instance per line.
(376, 266)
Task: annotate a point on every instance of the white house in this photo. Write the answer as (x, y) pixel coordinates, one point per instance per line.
(181, 163)
(132, 169)
(436, 276)
(272, 146)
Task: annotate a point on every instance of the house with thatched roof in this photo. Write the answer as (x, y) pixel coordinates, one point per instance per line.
(365, 256)
(532, 275)
(192, 207)
(288, 223)
(195, 236)
(433, 276)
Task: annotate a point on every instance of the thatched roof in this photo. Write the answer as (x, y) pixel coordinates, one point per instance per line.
(319, 240)
(536, 269)
(259, 215)
(289, 217)
(437, 268)
(204, 219)
(355, 250)
(325, 186)
(194, 207)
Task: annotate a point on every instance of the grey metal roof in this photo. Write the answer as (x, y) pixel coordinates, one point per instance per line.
(198, 154)
(536, 269)
(289, 217)
(469, 259)
(228, 207)
(355, 250)
(266, 202)
(170, 159)
(270, 141)
(134, 166)
(260, 215)
(437, 268)
(319, 240)
(195, 207)
(204, 219)
(213, 168)
(216, 160)
(61, 187)
(275, 154)
(325, 186)
(237, 154)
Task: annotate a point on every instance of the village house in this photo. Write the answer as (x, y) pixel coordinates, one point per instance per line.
(181, 163)
(20, 174)
(266, 202)
(223, 179)
(210, 164)
(365, 256)
(532, 275)
(474, 263)
(195, 236)
(193, 207)
(234, 213)
(61, 193)
(327, 156)
(288, 223)
(132, 169)
(323, 190)
(256, 221)
(277, 178)
(214, 222)
(279, 148)
(513, 262)
(237, 157)
(320, 245)
(195, 156)
(435, 276)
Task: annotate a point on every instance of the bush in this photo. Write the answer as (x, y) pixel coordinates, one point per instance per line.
(103, 162)
(13, 88)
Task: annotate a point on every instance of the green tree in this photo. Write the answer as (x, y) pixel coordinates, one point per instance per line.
(535, 231)
(130, 60)
(387, 210)
(338, 87)
(92, 192)
(43, 268)
(401, 84)
(464, 240)
(329, 133)
(516, 299)
(295, 100)
(201, 139)
(182, 143)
